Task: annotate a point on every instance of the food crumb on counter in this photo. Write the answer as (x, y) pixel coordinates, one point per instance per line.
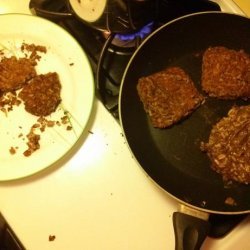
(52, 237)
(12, 150)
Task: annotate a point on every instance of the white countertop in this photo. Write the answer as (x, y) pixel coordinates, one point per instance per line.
(98, 198)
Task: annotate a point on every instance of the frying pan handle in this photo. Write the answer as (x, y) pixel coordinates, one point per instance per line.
(190, 231)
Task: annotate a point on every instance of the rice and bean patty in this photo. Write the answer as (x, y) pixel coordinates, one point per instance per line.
(226, 73)
(229, 143)
(41, 95)
(15, 73)
(168, 96)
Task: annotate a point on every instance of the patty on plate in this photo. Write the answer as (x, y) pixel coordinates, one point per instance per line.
(228, 146)
(168, 96)
(41, 95)
(15, 72)
(226, 73)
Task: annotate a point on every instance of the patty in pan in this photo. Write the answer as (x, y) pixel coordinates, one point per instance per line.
(226, 73)
(168, 96)
(229, 143)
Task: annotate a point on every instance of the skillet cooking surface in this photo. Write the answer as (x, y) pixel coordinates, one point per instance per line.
(172, 156)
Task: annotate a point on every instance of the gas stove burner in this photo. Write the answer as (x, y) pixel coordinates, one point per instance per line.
(130, 40)
(120, 46)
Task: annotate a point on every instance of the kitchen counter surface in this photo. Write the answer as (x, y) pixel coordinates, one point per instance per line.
(97, 198)
(244, 5)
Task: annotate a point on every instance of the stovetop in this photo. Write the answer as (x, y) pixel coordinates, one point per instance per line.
(109, 61)
(114, 59)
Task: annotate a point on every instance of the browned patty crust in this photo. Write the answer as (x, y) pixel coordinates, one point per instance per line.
(226, 73)
(14, 73)
(168, 96)
(41, 95)
(229, 145)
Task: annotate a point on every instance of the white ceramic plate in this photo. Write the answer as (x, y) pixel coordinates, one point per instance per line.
(64, 56)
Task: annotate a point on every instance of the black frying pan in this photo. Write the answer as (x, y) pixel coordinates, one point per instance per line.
(172, 157)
